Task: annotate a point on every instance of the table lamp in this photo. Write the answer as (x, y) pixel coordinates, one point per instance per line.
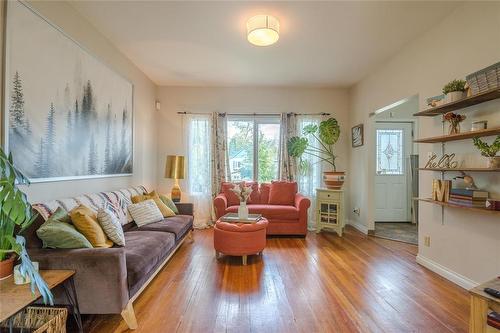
(174, 169)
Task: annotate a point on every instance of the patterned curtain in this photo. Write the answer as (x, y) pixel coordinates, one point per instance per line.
(220, 158)
(287, 164)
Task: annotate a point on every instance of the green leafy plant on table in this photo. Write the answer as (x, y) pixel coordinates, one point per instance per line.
(15, 216)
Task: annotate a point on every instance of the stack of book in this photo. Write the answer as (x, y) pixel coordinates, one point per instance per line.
(468, 198)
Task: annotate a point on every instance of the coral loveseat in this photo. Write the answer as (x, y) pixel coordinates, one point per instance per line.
(108, 280)
(279, 202)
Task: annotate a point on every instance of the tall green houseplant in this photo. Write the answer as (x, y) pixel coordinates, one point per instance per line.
(326, 134)
(15, 216)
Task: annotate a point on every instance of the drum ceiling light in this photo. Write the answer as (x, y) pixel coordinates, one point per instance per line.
(263, 30)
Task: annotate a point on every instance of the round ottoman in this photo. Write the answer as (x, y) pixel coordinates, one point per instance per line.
(240, 239)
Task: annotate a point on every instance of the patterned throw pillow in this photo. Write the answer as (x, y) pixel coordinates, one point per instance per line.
(56, 233)
(165, 211)
(111, 226)
(145, 212)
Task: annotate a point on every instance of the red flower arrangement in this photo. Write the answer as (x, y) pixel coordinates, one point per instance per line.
(454, 119)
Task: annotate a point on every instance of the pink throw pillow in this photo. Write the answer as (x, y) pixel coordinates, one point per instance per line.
(255, 195)
(232, 198)
(282, 193)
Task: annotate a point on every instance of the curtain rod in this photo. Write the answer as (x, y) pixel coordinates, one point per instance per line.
(259, 114)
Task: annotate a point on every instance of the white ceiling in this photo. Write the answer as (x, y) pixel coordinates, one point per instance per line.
(204, 43)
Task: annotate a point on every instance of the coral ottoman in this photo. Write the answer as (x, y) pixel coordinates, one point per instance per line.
(240, 239)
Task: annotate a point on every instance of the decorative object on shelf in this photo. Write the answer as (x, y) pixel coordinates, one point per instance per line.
(479, 125)
(326, 134)
(493, 204)
(67, 114)
(454, 119)
(242, 192)
(435, 100)
(174, 169)
(485, 79)
(445, 162)
(454, 91)
(489, 151)
(468, 181)
(357, 136)
(468, 197)
(441, 190)
(16, 216)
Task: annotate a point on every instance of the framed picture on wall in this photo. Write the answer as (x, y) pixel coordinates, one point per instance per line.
(67, 115)
(357, 136)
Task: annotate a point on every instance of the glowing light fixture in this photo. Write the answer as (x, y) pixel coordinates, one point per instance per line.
(263, 30)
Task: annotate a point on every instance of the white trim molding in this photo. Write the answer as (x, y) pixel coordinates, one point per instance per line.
(361, 227)
(448, 274)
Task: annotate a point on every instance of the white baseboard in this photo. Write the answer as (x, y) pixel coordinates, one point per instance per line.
(361, 227)
(448, 274)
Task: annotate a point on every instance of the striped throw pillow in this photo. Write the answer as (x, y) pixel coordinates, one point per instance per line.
(145, 212)
(111, 226)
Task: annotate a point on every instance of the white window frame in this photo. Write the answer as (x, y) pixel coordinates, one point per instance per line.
(257, 120)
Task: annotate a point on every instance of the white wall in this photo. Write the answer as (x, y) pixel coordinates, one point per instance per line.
(243, 100)
(64, 16)
(465, 246)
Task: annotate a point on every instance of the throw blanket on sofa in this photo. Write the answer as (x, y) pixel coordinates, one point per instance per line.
(117, 201)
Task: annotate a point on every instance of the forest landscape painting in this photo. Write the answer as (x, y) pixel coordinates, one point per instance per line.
(67, 114)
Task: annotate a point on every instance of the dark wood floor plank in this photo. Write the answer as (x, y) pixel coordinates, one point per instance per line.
(323, 283)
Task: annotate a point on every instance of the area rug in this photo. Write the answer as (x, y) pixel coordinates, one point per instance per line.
(400, 231)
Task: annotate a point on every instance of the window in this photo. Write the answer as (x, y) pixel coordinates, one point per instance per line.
(390, 152)
(199, 133)
(249, 138)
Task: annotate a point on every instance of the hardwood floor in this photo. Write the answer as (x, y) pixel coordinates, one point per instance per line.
(319, 284)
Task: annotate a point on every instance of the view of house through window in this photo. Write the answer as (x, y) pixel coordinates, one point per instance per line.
(253, 148)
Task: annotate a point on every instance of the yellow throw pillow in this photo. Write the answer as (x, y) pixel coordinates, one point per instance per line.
(165, 211)
(85, 221)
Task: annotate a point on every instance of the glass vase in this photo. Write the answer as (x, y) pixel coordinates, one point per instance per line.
(243, 211)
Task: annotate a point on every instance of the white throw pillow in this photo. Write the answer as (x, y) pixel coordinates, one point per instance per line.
(145, 212)
(111, 226)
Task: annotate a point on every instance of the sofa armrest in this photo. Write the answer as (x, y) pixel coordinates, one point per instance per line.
(301, 202)
(100, 275)
(220, 204)
(185, 208)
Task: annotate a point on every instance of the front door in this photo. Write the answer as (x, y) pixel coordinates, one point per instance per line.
(393, 148)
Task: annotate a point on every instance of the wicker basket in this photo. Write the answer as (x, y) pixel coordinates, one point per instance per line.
(39, 319)
(486, 79)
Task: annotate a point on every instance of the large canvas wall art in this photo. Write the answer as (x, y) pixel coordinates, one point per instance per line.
(66, 114)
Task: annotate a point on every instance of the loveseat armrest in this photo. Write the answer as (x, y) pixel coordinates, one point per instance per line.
(100, 275)
(301, 202)
(220, 204)
(185, 208)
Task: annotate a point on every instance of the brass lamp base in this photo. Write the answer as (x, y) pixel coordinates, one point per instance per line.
(175, 195)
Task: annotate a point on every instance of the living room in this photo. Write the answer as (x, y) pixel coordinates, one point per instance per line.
(205, 182)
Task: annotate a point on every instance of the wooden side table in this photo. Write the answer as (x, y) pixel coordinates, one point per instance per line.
(16, 297)
(330, 210)
(480, 303)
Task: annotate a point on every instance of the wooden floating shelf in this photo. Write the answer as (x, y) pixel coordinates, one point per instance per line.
(462, 169)
(461, 136)
(451, 205)
(463, 103)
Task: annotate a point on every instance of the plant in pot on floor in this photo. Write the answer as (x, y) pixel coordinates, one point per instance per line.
(454, 91)
(15, 216)
(318, 141)
(489, 151)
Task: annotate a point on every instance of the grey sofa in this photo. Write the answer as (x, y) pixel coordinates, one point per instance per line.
(108, 280)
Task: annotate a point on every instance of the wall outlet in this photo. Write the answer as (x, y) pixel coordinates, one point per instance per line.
(427, 241)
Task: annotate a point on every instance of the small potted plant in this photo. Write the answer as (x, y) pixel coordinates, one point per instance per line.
(454, 119)
(15, 216)
(489, 151)
(454, 90)
(326, 134)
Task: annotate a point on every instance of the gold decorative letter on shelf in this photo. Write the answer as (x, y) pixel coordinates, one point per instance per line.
(441, 190)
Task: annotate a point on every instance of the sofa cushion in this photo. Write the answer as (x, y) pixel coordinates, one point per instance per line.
(254, 197)
(282, 193)
(179, 225)
(281, 212)
(85, 221)
(264, 193)
(232, 198)
(144, 252)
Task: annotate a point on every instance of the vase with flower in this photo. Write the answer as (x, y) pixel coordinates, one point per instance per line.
(454, 119)
(242, 192)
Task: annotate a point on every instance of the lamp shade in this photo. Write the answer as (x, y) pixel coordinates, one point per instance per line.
(263, 30)
(174, 168)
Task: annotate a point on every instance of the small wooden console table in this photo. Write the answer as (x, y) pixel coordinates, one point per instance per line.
(16, 297)
(480, 303)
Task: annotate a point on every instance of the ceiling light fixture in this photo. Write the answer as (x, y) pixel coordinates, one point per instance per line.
(263, 30)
